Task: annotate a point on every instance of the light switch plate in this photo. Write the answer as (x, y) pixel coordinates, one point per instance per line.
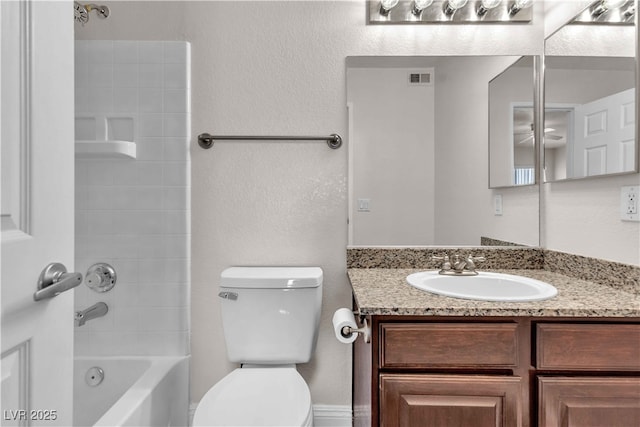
(497, 205)
(363, 205)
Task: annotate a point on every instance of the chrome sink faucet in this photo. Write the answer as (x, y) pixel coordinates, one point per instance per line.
(93, 312)
(460, 266)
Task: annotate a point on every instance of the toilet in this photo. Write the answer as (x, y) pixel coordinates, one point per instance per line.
(270, 318)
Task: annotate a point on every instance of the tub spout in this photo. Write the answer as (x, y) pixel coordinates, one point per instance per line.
(95, 311)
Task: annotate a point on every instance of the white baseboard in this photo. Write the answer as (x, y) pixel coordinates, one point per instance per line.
(332, 416)
(323, 415)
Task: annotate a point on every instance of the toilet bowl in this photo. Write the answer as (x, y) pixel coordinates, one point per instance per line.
(257, 396)
(270, 318)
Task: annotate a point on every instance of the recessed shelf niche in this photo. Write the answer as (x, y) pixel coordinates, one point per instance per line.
(105, 137)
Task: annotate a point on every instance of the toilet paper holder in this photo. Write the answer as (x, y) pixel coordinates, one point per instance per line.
(365, 330)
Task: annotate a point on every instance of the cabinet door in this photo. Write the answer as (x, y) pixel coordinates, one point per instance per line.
(589, 401)
(450, 400)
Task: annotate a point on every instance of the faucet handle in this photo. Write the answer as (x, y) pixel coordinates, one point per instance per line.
(472, 260)
(446, 264)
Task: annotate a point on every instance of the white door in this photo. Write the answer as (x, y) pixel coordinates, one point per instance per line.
(37, 210)
(604, 135)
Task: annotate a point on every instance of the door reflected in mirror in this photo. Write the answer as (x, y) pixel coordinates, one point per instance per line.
(590, 111)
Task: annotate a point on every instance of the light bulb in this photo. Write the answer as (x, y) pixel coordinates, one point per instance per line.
(420, 5)
(457, 4)
(485, 5)
(490, 4)
(613, 4)
(387, 5)
(523, 4)
(518, 5)
(452, 5)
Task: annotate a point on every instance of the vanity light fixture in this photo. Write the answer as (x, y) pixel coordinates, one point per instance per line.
(420, 5)
(518, 5)
(602, 6)
(486, 5)
(449, 12)
(387, 5)
(451, 6)
(608, 12)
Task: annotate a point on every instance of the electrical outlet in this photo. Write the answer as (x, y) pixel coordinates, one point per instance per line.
(629, 203)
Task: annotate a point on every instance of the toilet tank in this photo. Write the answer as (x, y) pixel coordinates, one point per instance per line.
(270, 315)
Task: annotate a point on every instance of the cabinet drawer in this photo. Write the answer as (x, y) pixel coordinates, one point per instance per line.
(450, 400)
(448, 345)
(588, 347)
(589, 401)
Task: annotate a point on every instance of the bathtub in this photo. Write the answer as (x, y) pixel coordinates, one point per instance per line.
(135, 391)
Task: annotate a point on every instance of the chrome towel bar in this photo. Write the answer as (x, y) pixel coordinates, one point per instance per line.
(206, 140)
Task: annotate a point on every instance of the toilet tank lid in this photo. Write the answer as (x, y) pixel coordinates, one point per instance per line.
(271, 277)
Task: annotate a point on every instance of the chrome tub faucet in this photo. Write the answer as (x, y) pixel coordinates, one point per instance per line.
(93, 312)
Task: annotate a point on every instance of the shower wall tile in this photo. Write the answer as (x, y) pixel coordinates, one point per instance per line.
(125, 52)
(151, 75)
(99, 52)
(134, 214)
(175, 52)
(152, 52)
(152, 149)
(125, 100)
(125, 75)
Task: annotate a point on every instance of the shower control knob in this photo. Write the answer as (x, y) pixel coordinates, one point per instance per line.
(100, 277)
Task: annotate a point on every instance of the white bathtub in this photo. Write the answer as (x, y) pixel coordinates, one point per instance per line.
(135, 391)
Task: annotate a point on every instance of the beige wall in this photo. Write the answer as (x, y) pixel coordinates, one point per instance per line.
(279, 68)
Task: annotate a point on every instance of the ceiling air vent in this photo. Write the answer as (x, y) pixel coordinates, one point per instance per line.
(420, 79)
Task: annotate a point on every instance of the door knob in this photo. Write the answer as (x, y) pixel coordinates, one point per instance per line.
(54, 280)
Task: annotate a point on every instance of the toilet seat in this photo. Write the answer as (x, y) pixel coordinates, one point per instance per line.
(257, 396)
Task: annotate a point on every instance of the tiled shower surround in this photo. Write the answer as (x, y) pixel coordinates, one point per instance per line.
(134, 213)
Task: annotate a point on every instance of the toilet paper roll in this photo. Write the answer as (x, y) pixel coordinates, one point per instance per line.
(341, 318)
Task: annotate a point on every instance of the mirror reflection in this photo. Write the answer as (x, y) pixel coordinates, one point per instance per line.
(418, 157)
(590, 112)
(511, 127)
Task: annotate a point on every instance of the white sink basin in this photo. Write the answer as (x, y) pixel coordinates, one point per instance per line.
(484, 287)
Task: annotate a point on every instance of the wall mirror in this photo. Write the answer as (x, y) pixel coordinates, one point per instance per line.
(589, 91)
(512, 147)
(418, 158)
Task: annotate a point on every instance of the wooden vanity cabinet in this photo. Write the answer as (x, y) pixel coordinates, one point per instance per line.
(566, 353)
(452, 371)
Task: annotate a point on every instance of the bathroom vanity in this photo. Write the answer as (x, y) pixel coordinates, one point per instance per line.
(573, 360)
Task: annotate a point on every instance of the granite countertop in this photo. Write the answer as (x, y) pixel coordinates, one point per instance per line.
(385, 291)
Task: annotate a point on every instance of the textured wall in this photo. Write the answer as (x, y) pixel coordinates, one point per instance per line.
(278, 67)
